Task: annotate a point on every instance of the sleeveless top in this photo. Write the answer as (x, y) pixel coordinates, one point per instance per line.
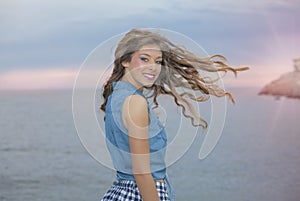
(117, 136)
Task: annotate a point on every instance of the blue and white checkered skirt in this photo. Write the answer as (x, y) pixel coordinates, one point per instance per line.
(127, 190)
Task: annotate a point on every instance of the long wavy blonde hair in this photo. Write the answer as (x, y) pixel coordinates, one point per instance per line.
(180, 69)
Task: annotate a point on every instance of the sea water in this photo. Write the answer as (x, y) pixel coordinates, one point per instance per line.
(256, 158)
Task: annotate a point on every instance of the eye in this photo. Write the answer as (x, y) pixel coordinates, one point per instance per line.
(144, 59)
(159, 62)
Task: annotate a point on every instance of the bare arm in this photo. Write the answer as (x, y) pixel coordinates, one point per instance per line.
(135, 117)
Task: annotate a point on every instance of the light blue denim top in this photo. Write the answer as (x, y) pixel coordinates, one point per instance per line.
(117, 136)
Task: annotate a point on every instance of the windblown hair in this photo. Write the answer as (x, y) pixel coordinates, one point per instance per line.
(180, 69)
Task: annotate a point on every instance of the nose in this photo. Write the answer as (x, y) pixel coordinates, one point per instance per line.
(152, 66)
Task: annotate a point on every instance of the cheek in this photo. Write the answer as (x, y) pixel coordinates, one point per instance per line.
(136, 62)
(158, 69)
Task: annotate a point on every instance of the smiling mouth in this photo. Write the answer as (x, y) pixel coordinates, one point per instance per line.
(149, 76)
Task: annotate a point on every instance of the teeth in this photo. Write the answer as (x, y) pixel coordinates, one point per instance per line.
(149, 76)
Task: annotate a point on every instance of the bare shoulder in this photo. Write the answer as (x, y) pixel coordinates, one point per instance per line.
(135, 110)
(136, 102)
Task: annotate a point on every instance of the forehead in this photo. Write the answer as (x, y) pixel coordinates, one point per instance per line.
(151, 50)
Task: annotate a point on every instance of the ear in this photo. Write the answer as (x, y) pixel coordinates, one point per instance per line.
(125, 64)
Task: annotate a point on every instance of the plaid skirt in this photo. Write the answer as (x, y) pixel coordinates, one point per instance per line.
(127, 190)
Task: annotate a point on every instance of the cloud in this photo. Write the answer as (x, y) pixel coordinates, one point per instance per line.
(37, 79)
(41, 34)
(55, 78)
(33, 19)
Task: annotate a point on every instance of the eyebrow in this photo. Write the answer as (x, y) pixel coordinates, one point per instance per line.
(159, 57)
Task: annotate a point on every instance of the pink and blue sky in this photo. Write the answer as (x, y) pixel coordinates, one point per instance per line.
(43, 43)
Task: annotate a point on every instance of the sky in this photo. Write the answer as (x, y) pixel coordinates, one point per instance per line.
(44, 43)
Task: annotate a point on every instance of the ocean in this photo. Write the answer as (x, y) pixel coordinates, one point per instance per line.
(256, 158)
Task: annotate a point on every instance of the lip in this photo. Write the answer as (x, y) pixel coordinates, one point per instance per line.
(149, 76)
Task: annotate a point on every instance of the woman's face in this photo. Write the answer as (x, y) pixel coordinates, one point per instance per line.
(144, 67)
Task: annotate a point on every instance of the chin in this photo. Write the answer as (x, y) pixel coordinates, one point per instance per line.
(147, 84)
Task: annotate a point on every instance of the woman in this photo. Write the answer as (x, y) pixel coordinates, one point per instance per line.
(135, 137)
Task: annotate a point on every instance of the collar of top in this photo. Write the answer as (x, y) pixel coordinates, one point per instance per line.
(123, 85)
